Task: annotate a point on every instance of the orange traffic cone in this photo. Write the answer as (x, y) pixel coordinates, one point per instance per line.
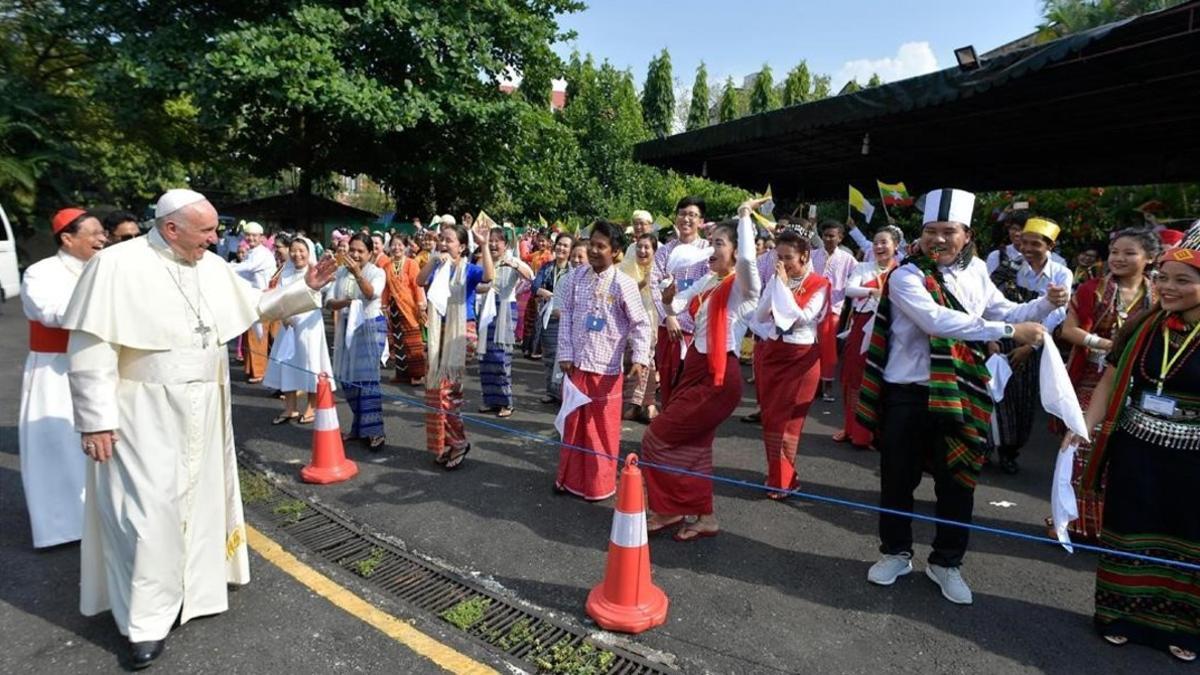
(329, 463)
(627, 601)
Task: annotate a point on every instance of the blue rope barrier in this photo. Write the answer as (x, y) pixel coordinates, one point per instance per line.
(716, 478)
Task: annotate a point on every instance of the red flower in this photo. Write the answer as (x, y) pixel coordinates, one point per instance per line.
(1175, 322)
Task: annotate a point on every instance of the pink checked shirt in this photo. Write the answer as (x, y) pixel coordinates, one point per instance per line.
(611, 300)
(837, 269)
(683, 280)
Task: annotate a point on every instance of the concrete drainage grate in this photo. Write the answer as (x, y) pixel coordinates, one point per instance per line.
(537, 643)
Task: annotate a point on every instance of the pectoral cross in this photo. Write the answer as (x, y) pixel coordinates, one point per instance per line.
(203, 332)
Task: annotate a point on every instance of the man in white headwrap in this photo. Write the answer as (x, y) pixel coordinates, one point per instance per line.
(498, 322)
(642, 223)
(163, 529)
(258, 268)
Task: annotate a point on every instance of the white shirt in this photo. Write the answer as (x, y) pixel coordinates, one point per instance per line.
(258, 267)
(1052, 273)
(778, 306)
(743, 299)
(993, 258)
(916, 316)
(863, 273)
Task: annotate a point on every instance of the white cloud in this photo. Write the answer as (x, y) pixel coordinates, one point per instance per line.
(911, 59)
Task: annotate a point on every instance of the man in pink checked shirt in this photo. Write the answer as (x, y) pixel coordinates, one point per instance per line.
(601, 310)
(835, 264)
(675, 333)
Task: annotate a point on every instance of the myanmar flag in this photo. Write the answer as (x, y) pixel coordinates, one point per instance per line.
(859, 203)
(894, 195)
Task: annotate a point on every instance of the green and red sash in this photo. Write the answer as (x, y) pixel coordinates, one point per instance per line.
(958, 378)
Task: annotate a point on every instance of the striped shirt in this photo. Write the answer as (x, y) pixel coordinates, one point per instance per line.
(599, 314)
(683, 280)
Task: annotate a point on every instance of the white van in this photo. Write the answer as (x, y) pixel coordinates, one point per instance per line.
(10, 276)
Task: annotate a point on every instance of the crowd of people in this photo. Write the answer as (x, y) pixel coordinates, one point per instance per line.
(634, 322)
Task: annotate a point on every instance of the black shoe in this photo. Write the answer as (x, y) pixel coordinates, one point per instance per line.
(1009, 466)
(142, 654)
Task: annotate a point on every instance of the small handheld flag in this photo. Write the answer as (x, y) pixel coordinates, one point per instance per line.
(859, 203)
(767, 207)
(894, 194)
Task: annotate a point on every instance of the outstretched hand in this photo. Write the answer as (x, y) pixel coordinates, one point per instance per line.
(319, 275)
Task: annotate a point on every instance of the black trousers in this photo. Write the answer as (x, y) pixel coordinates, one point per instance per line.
(910, 436)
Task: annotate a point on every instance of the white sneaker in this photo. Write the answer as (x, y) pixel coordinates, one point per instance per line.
(889, 568)
(950, 580)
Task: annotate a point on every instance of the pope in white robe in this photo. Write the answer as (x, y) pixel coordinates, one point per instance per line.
(149, 373)
(52, 467)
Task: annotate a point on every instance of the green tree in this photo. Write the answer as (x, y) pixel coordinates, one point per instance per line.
(798, 85)
(1063, 17)
(658, 96)
(875, 80)
(762, 95)
(698, 113)
(821, 88)
(850, 87)
(727, 109)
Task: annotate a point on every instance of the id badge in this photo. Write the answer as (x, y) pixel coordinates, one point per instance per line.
(1159, 405)
(596, 323)
(684, 284)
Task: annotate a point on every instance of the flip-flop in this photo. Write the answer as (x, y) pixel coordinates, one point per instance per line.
(285, 418)
(651, 531)
(1116, 640)
(698, 534)
(1185, 655)
(840, 437)
(455, 461)
(376, 443)
(307, 419)
(505, 412)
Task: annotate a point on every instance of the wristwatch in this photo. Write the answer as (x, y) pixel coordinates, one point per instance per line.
(1009, 330)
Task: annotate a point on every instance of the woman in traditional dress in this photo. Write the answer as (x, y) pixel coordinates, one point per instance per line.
(544, 285)
(640, 402)
(300, 352)
(357, 348)
(541, 256)
(602, 312)
(793, 304)
(863, 288)
(404, 300)
(450, 282)
(710, 387)
(1098, 311)
(1146, 408)
(495, 366)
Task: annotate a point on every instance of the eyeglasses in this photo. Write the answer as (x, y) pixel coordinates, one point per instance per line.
(688, 215)
(126, 237)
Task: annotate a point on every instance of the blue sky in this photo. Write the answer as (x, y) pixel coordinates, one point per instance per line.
(842, 38)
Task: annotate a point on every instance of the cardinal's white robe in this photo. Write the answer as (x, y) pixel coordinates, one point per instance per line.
(52, 462)
(163, 525)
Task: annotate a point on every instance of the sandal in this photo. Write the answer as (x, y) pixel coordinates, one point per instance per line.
(1116, 640)
(307, 419)
(841, 437)
(285, 418)
(697, 534)
(504, 412)
(651, 531)
(648, 413)
(1185, 655)
(376, 442)
(455, 460)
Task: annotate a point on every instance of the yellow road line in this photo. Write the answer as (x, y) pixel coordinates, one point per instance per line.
(387, 624)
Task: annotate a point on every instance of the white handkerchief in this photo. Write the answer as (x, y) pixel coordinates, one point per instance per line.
(354, 319)
(783, 305)
(287, 344)
(572, 398)
(998, 366)
(545, 312)
(868, 331)
(1058, 393)
(1063, 507)
(487, 314)
(439, 289)
(684, 256)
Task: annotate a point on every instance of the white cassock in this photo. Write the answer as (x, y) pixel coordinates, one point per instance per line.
(52, 461)
(163, 526)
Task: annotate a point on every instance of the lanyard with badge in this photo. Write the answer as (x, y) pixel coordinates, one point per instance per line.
(1156, 402)
(596, 320)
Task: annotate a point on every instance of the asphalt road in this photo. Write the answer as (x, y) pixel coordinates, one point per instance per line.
(781, 590)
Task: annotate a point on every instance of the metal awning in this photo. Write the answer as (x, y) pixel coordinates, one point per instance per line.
(1115, 105)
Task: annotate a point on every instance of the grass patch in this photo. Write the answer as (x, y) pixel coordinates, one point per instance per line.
(518, 635)
(255, 487)
(562, 657)
(366, 567)
(291, 510)
(467, 613)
